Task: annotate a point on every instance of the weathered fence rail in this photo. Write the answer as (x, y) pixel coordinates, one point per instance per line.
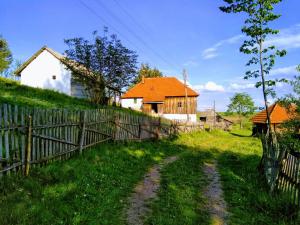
(36, 136)
(282, 168)
(288, 178)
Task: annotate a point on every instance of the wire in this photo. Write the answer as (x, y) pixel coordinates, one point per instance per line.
(134, 34)
(139, 24)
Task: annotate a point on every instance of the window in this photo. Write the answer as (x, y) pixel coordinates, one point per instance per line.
(179, 104)
(54, 77)
(134, 100)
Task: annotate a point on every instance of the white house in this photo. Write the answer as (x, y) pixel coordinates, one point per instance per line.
(163, 96)
(47, 69)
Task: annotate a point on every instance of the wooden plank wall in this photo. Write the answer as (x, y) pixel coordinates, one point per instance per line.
(171, 105)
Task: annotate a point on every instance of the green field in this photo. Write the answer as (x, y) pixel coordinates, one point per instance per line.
(94, 188)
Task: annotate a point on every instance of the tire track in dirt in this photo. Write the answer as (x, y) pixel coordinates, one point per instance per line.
(214, 194)
(144, 191)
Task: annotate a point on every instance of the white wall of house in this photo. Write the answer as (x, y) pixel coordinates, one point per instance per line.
(133, 103)
(181, 117)
(40, 72)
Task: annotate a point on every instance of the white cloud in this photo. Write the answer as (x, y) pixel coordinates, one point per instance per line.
(209, 86)
(190, 63)
(286, 71)
(212, 52)
(241, 86)
(288, 38)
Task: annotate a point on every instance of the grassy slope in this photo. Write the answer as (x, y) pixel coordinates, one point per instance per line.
(14, 93)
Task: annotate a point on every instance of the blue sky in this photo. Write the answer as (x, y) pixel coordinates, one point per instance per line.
(168, 34)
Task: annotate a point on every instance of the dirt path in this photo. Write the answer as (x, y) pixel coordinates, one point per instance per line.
(214, 194)
(144, 191)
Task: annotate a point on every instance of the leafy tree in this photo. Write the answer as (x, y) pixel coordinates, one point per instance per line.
(104, 65)
(5, 55)
(146, 71)
(9, 73)
(259, 16)
(242, 104)
(290, 138)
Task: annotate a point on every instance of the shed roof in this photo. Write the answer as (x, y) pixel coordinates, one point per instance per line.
(158, 88)
(278, 114)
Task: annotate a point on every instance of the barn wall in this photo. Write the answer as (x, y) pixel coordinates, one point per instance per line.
(39, 73)
(172, 105)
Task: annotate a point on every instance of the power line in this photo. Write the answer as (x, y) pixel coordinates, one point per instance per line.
(138, 23)
(105, 21)
(134, 34)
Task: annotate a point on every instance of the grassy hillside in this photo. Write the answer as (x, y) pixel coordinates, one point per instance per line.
(13, 93)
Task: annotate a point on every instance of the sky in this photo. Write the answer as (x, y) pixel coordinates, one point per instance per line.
(170, 35)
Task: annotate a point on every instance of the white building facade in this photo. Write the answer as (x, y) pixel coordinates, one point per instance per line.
(46, 70)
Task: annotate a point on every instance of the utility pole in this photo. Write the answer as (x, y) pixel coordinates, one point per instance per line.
(186, 94)
(215, 115)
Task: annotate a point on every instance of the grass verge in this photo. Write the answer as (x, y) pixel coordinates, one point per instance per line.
(88, 189)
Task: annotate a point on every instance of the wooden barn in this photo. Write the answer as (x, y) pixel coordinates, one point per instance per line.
(163, 96)
(278, 113)
(213, 119)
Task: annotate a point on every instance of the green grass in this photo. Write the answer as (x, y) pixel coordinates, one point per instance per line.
(249, 202)
(11, 92)
(93, 188)
(180, 200)
(14, 93)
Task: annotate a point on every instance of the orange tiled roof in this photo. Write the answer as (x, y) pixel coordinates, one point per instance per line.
(278, 114)
(158, 88)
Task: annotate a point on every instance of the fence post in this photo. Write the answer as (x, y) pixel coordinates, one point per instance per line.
(158, 129)
(28, 146)
(82, 130)
(117, 128)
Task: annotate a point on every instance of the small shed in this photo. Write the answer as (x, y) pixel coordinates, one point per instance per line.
(213, 119)
(278, 115)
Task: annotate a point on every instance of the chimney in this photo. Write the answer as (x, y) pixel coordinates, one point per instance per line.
(143, 79)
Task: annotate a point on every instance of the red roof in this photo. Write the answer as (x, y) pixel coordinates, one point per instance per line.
(278, 114)
(158, 88)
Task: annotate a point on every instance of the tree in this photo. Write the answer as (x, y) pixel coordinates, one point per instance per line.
(146, 71)
(242, 104)
(104, 65)
(9, 73)
(289, 139)
(259, 15)
(5, 55)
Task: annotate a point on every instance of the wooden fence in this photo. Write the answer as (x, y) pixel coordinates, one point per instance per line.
(36, 136)
(288, 179)
(281, 168)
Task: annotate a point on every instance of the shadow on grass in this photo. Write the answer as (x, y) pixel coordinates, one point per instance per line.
(240, 135)
(247, 193)
(93, 188)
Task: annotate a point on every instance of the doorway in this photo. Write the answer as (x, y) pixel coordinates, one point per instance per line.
(154, 107)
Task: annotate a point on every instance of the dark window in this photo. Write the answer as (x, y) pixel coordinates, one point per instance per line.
(203, 119)
(179, 104)
(54, 77)
(134, 100)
